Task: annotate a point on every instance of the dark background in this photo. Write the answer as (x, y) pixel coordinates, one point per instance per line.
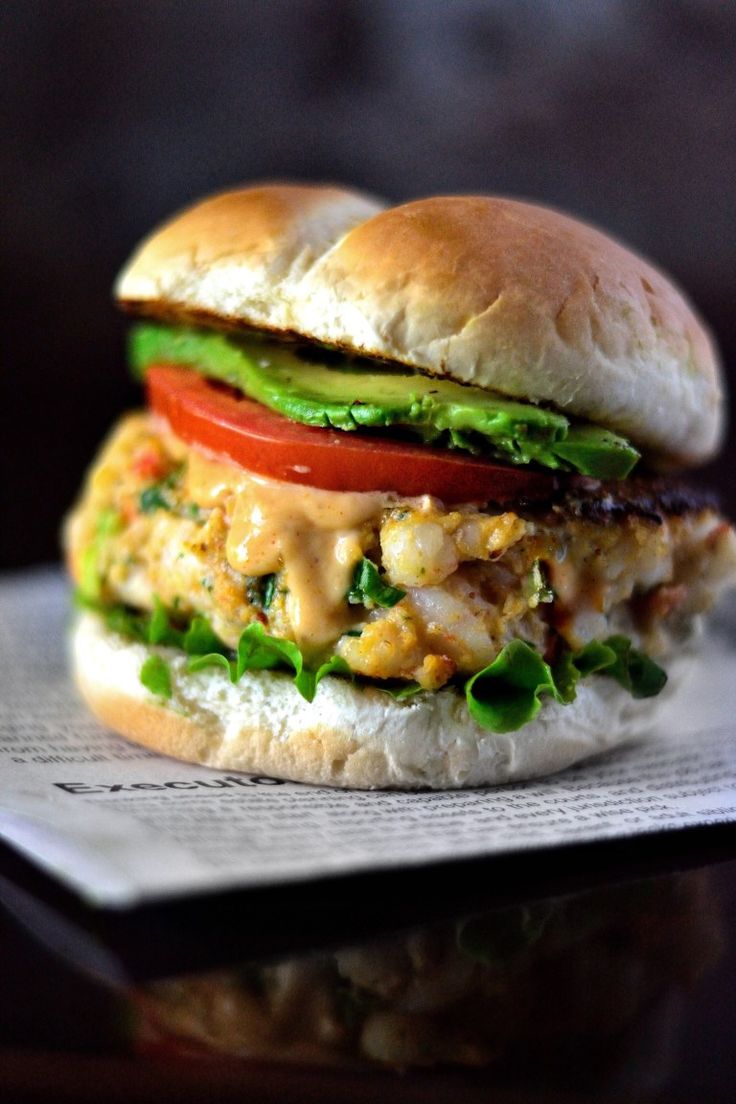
(115, 114)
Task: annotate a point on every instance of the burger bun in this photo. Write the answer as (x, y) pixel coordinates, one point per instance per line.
(348, 736)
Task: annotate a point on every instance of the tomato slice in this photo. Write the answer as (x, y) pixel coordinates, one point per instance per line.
(219, 419)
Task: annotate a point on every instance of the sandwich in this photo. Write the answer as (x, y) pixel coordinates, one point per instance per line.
(404, 507)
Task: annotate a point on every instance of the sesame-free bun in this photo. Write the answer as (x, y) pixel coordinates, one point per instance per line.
(512, 297)
(234, 256)
(359, 738)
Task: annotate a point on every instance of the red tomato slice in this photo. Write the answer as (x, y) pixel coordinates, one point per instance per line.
(217, 418)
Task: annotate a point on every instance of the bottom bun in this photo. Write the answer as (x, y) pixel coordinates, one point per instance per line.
(349, 735)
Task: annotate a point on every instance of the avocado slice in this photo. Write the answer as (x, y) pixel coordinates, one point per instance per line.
(334, 391)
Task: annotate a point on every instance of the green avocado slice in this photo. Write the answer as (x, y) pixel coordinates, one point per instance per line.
(346, 395)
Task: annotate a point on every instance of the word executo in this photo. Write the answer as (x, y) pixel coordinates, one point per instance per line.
(193, 784)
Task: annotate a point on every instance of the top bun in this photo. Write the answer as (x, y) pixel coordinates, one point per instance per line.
(508, 296)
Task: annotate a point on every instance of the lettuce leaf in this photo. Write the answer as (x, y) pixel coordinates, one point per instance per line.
(256, 650)
(634, 670)
(335, 665)
(595, 657)
(200, 639)
(502, 697)
(400, 691)
(156, 676)
(160, 629)
(213, 659)
(508, 693)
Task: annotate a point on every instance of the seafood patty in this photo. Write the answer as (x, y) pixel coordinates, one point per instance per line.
(159, 521)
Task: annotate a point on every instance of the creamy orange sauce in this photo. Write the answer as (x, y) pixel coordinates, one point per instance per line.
(211, 482)
(314, 537)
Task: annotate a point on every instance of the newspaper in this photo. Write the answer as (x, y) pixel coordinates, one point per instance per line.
(121, 825)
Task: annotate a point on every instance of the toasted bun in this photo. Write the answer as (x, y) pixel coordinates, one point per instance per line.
(512, 297)
(346, 736)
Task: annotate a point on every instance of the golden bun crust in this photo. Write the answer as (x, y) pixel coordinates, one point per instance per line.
(228, 257)
(348, 737)
(509, 296)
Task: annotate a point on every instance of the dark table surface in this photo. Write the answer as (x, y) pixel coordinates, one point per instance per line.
(601, 971)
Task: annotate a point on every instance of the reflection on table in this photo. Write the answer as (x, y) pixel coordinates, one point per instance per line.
(531, 991)
(619, 992)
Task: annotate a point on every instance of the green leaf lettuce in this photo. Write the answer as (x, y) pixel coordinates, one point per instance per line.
(503, 697)
(508, 693)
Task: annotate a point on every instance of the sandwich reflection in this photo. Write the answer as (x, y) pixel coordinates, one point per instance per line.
(535, 985)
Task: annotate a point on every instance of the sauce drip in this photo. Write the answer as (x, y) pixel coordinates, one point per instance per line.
(314, 537)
